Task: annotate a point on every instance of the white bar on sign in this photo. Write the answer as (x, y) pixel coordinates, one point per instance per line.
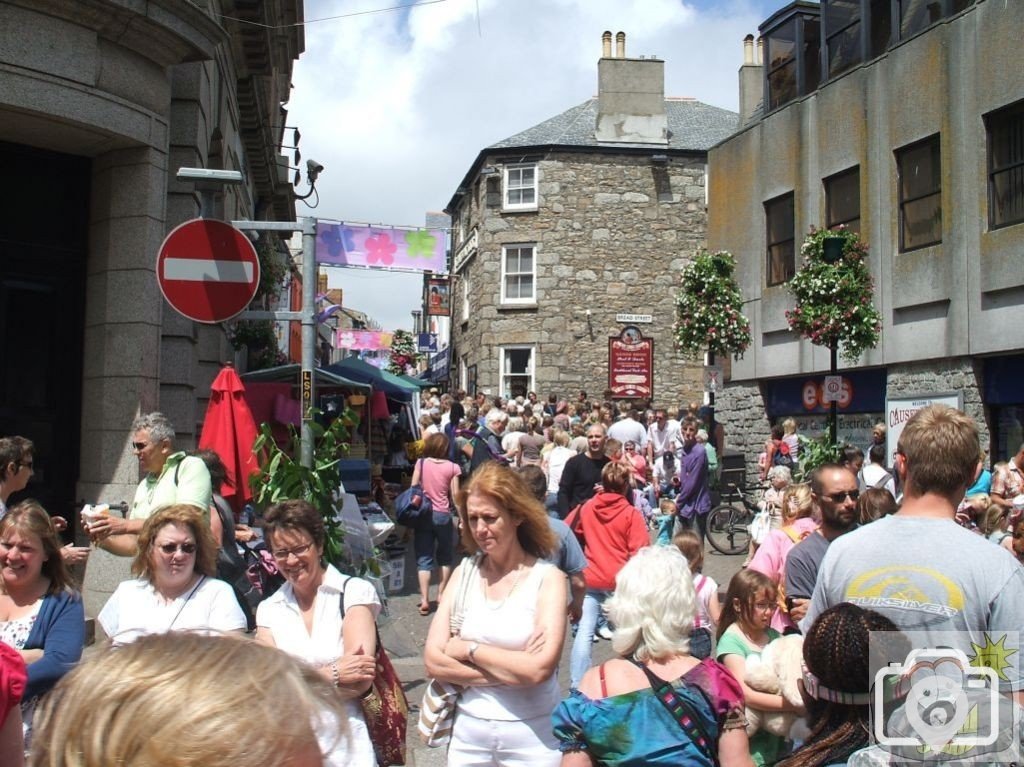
(207, 270)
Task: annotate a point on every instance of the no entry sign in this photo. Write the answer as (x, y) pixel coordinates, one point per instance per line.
(207, 270)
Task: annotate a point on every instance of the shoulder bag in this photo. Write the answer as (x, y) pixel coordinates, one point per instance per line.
(684, 714)
(384, 705)
(437, 709)
(413, 506)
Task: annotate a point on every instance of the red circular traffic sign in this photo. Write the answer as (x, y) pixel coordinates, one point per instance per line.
(207, 270)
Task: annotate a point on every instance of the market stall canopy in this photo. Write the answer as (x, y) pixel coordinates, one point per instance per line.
(392, 385)
(290, 374)
(419, 383)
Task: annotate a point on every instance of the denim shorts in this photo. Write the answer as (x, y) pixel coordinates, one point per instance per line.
(434, 544)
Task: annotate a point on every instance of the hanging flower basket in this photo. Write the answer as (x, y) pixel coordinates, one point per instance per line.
(708, 308)
(834, 302)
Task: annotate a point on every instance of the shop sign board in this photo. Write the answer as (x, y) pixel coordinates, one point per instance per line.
(631, 365)
(898, 410)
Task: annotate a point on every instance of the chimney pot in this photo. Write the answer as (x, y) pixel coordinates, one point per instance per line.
(620, 45)
(606, 45)
(760, 50)
(748, 49)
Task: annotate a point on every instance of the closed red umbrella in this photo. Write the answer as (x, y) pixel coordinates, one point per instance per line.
(230, 430)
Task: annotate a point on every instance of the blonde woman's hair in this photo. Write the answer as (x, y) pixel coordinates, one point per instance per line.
(801, 496)
(653, 606)
(789, 426)
(184, 700)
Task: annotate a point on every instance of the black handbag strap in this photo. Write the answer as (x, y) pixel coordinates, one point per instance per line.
(683, 713)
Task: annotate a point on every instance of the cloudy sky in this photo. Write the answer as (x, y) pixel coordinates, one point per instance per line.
(397, 104)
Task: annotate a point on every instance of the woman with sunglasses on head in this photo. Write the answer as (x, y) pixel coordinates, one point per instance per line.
(175, 587)
(41, 616)
(324, 618)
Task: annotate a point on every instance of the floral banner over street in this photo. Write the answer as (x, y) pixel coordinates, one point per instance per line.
(380, 247)
(365, 340)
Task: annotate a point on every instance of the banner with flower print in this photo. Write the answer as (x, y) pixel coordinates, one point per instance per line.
(364, 340)
(380, 247)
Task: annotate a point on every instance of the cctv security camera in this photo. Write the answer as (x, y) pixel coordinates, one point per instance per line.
(313, 169)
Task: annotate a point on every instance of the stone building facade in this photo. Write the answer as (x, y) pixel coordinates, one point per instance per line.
(562, 229)
(101, 101)
(909, 133)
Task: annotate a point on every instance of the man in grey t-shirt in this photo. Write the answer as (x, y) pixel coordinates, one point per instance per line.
(918, 567)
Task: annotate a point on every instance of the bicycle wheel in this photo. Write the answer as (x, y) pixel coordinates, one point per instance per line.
(729, 529)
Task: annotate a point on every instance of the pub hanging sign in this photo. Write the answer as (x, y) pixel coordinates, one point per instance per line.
(631, 364)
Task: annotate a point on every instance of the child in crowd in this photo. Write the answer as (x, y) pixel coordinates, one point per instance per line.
(837, 683)
(771, 556)
(875, 503)
(709, 610)
(971, 510)
(994, 526)
(665, 521)
(743, 633)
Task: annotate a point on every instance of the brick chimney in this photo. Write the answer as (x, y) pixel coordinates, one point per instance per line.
(751, 82)
(630, 97)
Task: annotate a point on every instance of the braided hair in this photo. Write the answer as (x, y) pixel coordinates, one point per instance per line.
(836, 652)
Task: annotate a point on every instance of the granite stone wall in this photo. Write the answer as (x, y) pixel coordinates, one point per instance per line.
(607, 243)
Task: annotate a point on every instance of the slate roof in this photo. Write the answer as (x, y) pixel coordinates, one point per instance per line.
(692, 125)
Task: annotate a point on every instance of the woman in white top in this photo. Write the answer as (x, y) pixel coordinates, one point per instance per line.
(304, 619)
(513, 627)
(175, 588)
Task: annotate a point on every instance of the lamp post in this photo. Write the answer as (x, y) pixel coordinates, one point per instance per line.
(832, 254)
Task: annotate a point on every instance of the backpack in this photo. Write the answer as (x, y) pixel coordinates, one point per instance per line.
(782, 457)
(482, 452)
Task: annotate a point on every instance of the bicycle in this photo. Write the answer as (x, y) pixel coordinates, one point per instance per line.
(728, 528)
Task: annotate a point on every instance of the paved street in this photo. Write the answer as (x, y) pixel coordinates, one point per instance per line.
(405, 630)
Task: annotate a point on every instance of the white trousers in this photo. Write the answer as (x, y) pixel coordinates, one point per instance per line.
(482, 743)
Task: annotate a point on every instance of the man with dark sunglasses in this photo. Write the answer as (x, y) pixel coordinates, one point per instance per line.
(834, 493)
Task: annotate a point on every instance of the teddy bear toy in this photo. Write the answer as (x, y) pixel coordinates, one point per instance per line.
(777, 672)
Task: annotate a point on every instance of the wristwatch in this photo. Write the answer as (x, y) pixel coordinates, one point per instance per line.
(473, 647)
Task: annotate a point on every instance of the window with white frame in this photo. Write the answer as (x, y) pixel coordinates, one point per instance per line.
(520, 187)
(464, 374)
(517, 366)
(465, 296)
(518, 273)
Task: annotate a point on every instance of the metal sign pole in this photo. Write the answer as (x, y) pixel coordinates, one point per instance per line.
(308, 338)
(307, 316)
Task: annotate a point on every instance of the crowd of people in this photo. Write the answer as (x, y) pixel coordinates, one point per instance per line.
(856, 550)
(841, 562)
